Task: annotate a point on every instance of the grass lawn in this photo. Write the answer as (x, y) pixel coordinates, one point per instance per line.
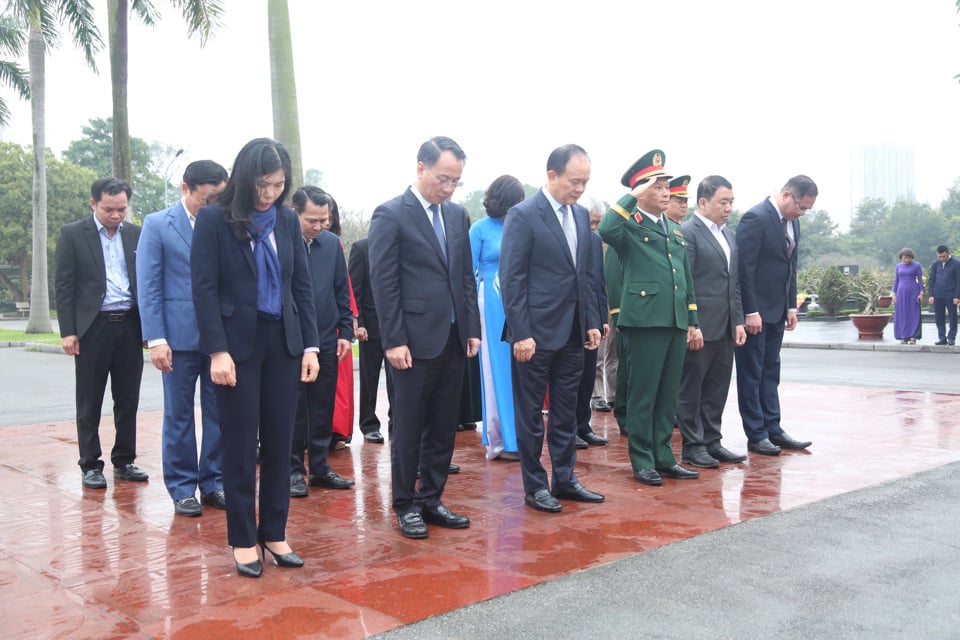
(9, 335)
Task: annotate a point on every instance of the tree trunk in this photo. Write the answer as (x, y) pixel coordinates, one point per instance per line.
(283, 84)
(8, 284)
(39, 321)
(117, 14)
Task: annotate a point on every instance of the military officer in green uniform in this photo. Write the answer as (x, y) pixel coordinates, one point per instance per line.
(658, 315)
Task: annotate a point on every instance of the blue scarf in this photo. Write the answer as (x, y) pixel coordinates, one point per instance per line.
(268, 264)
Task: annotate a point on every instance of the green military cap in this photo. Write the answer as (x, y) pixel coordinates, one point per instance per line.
(650, 165)
(678, 186)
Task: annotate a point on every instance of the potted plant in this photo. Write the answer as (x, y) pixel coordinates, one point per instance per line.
(867, 287)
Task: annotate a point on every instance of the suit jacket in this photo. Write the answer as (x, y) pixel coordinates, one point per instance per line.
(331, 290)
(944, 279)
(657, 283)
(543, 292)
(600, 285)
(360, 278)
(768, 275)
(224, 277)
(163, 279)
(716, 283)
(81, 274)
(414, 289)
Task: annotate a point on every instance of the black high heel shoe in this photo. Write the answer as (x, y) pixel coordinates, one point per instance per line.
(249, 569)
(282, 559)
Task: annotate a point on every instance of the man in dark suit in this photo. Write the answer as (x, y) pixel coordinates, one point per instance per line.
(96, 285)
(767, 239)
(426, 297)
(368, 337)
(169, 325)
(313, 428)
(707, 372)
(658, 315)
(548, 283)
(944, 286)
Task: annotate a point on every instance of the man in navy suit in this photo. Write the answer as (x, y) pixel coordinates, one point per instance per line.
(169, 326)
(313, 429)
(550, 302)
(943, 283)
(425, 294)
(96, 285)
(767, 239)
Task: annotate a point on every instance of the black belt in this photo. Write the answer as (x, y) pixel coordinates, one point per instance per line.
(115, 316)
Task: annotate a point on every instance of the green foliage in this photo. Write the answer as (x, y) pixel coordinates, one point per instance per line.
(832, 289)
(12, 42)
(150, 189)
(868, 286)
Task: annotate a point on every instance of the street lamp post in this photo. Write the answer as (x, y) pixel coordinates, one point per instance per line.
(166, 177)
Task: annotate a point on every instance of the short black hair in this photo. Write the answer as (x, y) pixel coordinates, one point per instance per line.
(109, 186)
(430, 150)
(201, 172)
(943, 249)
(503, 193)
(560, 157)
(311, 193)
(709, 185)
(801, 187)
(907, 251)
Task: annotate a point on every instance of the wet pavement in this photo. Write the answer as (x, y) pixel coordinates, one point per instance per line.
(79, 563)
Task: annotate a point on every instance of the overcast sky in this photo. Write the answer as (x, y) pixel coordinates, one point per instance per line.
(754, 90)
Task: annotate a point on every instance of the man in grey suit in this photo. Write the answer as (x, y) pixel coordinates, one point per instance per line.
(706, 373)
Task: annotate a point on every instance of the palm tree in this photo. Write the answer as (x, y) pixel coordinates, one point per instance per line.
(286, 121)
(201, 16)
(13, 75)
(41, 19)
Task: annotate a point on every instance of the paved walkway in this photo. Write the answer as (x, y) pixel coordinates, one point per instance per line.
(856, 538)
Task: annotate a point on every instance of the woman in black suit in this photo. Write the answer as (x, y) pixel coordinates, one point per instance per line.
(254, 305)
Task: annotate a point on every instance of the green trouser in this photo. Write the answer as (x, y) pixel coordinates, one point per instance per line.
(623, 379)
(655, 356)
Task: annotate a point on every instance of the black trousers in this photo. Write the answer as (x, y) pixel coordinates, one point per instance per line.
(263, 403)
(371, 360)
(113, 348)
(585, 391)
(703, 395)
(313, 427)
(426, 408)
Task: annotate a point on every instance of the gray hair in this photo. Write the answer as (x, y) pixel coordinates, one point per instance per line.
(592, 202)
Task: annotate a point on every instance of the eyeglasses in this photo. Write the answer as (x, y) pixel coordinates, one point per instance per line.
(802, 209)
(445, 181)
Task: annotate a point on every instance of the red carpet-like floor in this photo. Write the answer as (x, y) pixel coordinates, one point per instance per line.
(78, 563)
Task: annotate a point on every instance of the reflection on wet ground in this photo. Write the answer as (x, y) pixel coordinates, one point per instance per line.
(78, 563)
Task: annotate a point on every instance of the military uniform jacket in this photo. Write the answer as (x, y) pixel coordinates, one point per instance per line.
(657, 282)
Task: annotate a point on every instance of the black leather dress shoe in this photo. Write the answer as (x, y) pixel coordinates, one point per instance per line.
(678, 473)
(725, 455)
(940, 342)
(541, 500)
(648, 476)
(454, 468)
(331, 480)
(784, 441)
(412, 525)
(130, 472)
(467, 426)
(580, 443)
(216, 499)
(577, 492)
(298, 486)
(593, 439)
(93, 479)
(188, 507)
(443, 517)
(601, 405)
(374, 436)
(701, 459)
(765, 447)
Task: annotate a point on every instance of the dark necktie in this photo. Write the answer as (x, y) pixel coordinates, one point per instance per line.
(791, 243)
(438, 229)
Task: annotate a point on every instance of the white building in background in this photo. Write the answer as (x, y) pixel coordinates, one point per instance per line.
(886, 171)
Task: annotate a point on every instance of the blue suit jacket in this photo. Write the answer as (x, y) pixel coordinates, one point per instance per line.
(768, 276)
(413, 288)
(224, 277)
(541, 287)
(163, 279)
(331, 289)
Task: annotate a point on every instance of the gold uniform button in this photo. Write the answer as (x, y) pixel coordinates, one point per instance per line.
(646, 239)
(643, 294)
(674, 287)
(669, 255)
(674, 270)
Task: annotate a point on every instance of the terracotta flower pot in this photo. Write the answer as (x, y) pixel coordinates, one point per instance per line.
(884, 301)
(870, 326)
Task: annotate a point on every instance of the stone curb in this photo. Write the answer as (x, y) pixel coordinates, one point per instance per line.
(867, 346)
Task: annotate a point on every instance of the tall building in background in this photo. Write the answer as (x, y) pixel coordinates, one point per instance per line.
(885, 171)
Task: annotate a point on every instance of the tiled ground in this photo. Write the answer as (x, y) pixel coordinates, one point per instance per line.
(77, 563)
